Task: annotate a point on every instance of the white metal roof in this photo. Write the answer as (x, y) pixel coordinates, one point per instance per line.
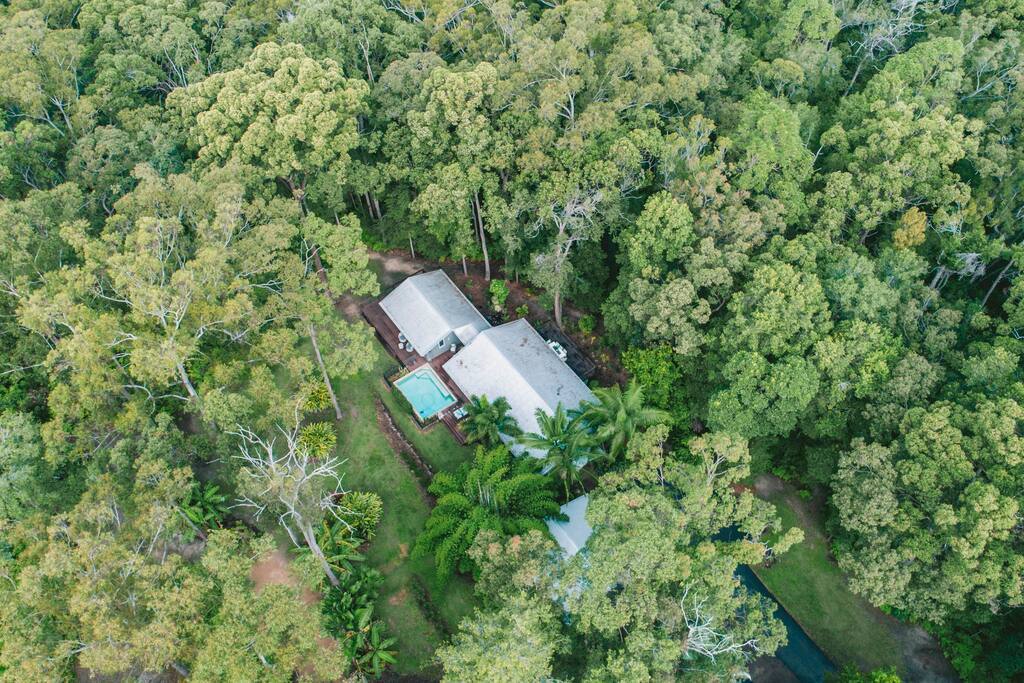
(427, 307)
(572, 535)
(514, 361)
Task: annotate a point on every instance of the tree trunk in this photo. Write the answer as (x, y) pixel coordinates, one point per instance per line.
(465, 271)
(558, 308)
(187, 382)
(307, 533)
(376, 206)
(320, 270)
(995, 284)
(412, 249)
(323, 371)
(479, 220)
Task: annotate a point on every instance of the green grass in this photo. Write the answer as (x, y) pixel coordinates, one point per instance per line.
(435, 445)
(373, 466)
(814, 590)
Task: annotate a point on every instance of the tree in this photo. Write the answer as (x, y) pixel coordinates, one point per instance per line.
(460, 158)
(293, 483)
(42, 67)
(347, 344)
(617, 415)
(487, 421)
(268, 634)
(565, 443)
(105, 580)
(771, 157)
(957, 466)
(23, 471)
(180, 261)
(513, 643)
(297, 125)
(497, 492)
(574, 213)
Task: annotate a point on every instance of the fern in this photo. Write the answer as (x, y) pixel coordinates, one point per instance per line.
(496, 492)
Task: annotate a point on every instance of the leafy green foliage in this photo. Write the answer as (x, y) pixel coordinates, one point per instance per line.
(499, 291)
(497, 492)
(799, 221)
(319, 437)
(348, 617)
(205, 506)
(487, 420)
(565, 445)
(617, 414)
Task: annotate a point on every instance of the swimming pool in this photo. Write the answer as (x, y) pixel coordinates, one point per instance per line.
(426, 392)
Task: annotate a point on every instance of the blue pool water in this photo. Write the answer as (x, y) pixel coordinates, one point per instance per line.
(425, 391)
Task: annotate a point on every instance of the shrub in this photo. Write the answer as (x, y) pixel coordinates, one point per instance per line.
(319, 437)
(499, 290)
(318, 398)
(363, 512)
(586, 324)
(206, 507)
(348, 616)
(522, 311)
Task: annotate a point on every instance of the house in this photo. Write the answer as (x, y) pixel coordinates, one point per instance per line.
(573, 534)
(511, 360)
(514, 361)
(432, 313)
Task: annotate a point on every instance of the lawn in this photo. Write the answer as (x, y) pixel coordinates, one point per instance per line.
(416, 608)
(812, 588)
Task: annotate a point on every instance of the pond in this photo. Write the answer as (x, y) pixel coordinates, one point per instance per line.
(801, 655)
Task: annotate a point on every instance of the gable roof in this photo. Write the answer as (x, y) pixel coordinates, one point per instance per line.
(572, 535)
(514, 361)
(427, 307)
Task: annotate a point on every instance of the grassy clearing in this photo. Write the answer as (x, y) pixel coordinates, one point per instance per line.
(813, 589)
(418, 624)
(436, 444)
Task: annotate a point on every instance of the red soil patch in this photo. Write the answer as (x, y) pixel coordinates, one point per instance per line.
(273, 569)
(399, 597)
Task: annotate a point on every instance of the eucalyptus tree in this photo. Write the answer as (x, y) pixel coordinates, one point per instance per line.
(42, 65)
(959, 466)
(460, 158)
(691, 245)
(335, 264)
(261, 633)
(179, 262)
(894, 146)
(290, 480)
(288, 117)
(103, 581)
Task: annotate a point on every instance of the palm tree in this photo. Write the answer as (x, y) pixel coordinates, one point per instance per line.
(496, 491)
(566, 444)
(488, 421)
(617, 414)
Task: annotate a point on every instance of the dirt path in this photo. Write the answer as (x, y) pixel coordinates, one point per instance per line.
(922, 656)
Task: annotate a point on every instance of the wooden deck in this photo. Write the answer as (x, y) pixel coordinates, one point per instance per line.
(388, 333)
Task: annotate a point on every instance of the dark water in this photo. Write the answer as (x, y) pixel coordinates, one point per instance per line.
(800, 655)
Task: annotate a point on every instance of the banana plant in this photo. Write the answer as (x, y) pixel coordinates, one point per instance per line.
(205, 506)
(368, 646)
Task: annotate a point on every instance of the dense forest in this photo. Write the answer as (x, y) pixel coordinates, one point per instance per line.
(797, 224)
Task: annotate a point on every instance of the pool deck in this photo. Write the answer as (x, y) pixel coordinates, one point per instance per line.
(387, 333)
